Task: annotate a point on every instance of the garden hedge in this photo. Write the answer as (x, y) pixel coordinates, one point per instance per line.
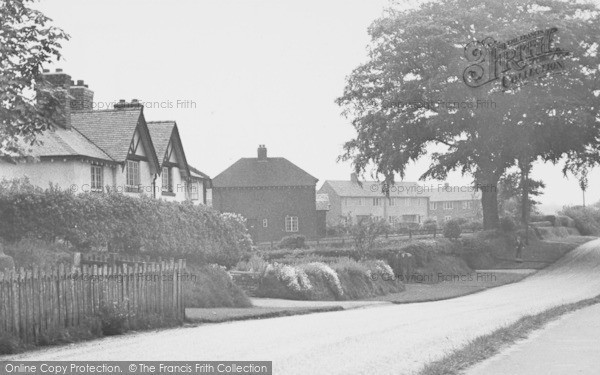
(119, 223)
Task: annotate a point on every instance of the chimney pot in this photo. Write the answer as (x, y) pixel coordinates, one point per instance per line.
(262, 152)
(121, 100)
(80, 82)
(46, 70)
(134, 101)
(58, 70)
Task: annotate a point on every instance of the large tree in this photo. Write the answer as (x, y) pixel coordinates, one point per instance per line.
(412, 93)
(27, 42)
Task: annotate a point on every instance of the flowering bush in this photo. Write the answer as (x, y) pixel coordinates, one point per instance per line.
(293, 277)
(113, 318)
(321, 269)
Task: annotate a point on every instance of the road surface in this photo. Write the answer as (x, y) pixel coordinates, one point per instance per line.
(570, 345)
(395, 339)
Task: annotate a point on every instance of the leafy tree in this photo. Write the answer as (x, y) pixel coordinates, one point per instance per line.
(366, 231)
(511, 187)
(409, 99)
(27, 42)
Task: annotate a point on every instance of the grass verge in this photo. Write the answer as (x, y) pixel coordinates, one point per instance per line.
(491, 344)
(449, 289)
(220, 315)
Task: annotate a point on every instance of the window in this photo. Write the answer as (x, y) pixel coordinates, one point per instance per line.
(291, 223)
(467, 205)
(358, 201)
(167, 180)
(448, 205)
(407, 201)
(194, 191)
(419, 202)
(133, 176)
(345, 201)
(265, 223)
(392, 201)
(392, 219)
(376, 201)
(97, 178)
(447, 218)
(433, 205)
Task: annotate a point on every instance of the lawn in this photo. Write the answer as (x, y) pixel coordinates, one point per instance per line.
(471, 283)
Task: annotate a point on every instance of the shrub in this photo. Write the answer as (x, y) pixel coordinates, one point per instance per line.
(31, 251)
(473, 225)
(113, 318)
(430, 225)
(292, 242)
(586, 219)
(319, 269)
(211, 286)
(120, 223)
(507, 224)
(452, 229)
(9, 344)
(366, 231)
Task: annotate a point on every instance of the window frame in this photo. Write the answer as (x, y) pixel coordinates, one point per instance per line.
(96, 184)
(292, 224)
(166, 186)
(265, 223)
(376, 202)
(132, 170)
(433, 206)
(448, 205)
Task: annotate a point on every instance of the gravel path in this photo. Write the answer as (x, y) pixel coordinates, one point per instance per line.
(390, 339)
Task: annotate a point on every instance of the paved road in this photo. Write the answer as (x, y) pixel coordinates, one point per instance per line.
(386, 339)
(570, 345)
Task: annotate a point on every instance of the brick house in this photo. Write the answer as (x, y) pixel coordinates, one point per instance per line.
(108, 150)
(354, 200)
(276, 197)
(408, 202)
(451, 202)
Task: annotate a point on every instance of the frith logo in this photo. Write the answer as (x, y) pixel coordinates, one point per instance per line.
(514, 62)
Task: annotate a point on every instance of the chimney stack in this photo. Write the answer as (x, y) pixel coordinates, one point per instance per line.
(354, 178)
(60, 82)
(82, 97)
(262, 152)
(122, 104)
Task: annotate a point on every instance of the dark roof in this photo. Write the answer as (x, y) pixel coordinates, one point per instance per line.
(269, 172)
(160, 132)
(111, 130)
(196, 173)
(62, 142)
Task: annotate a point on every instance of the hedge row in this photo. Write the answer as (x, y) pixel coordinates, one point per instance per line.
(120, 223)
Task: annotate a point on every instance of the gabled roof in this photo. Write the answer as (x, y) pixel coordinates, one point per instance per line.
(198, 174)
(111, 130)
(163, 132)
(268, 172)
(373, 189)
(160, 132)
(62, 142)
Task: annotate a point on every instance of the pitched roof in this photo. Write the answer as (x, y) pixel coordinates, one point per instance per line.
(196, 173)
(160, 132)
(443, 193)
(268, 172)
(111, 130)
(373, 189)
(62, 142)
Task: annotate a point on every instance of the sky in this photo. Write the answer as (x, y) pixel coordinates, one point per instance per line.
(234, 74)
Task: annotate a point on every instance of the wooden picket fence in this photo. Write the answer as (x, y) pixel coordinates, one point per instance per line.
(37, 302)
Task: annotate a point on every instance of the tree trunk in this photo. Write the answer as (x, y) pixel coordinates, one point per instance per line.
(489, 204)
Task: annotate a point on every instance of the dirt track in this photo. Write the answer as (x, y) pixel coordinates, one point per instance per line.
(384, 339)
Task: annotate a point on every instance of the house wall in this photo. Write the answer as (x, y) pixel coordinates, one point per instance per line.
(273, 204)
(74, 175)
(403, 207)
(457, 211)
(333, 216)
